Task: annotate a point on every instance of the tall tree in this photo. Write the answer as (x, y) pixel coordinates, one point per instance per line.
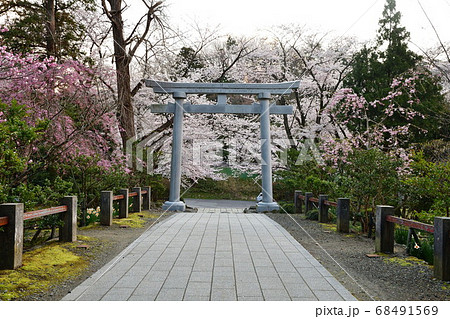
(376, 69)
(124, 50)
(47, 27)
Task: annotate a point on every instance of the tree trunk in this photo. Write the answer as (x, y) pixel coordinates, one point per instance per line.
(124, 106)
(50, 24)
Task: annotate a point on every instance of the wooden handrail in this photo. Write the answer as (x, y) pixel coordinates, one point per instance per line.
(44, 212)
(118, 197)
(143, 192)
(4, 221)
(132, 194)
(410, 223)
(313, 199)
(328, 203)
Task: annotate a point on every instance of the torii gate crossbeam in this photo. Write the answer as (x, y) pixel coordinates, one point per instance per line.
(264, 92)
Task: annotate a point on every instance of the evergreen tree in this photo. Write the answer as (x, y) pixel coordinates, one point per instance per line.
(375, 68)
(47, 27)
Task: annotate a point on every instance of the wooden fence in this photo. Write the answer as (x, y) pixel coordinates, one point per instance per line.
(385, 226)
(342, 208)
(384, 237)
(12, 217)
(141, 198)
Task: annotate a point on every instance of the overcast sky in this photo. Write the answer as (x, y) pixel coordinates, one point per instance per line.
(350, 17)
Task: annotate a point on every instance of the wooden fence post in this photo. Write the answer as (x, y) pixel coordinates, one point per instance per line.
(11, 240)
(343, 215)
(442, 248)
(146, 198)
(123, 204)
(106, 208)
(137, 200)
(323, 209)
(297, 202)
(308, 204)
(384, 232)
(68, 231)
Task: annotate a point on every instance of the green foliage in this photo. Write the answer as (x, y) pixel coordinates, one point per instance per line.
(424, 250)
(401, 235)
(428, 187)
(306, 176)
(374, 69)
(16, 136)
(287, 207)
(312, 214)
(236, 188)
(28, 29)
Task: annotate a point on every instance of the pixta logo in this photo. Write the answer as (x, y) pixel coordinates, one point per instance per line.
(139, 156)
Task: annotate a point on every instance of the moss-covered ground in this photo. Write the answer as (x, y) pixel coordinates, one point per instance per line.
(42, 268)
(53, 262)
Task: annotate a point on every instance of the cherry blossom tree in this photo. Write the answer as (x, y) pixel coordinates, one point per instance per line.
(70, 99)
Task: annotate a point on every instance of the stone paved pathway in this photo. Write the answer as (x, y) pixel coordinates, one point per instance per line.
(218, 256)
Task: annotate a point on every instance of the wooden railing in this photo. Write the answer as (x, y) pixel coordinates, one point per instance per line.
(342, 208)
(384, 237)
(141, 198)
(4, 221)
(410, 223)
(12, 217)
(385, 225)
(44, 212)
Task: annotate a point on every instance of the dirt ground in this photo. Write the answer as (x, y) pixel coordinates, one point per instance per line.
(394, 277)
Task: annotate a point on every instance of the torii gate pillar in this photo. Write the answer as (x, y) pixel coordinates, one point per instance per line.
(267, 203)
(174, 202)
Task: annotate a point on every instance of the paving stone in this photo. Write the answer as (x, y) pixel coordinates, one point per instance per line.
(141, 298)
(196, 298)
(271, 283)
(248, 289)
(276, 295)
(150, 291)
(129, 281)
(299, 290)
(171, 294)
(250, 298)
(223, 282)
(199, 288)
(246, 276)
(90, 297)
(157, 275)
(117, 294)
(201, 276)
(328, 295)
(220, 294)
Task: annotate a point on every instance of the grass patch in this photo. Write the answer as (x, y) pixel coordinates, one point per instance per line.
(134, 220)
(329, 227)
(42, 268)
(397, 260)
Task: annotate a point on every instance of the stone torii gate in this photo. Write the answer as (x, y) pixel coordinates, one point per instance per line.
(264, 92)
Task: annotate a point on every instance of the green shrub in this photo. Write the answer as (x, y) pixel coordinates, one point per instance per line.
(313, 214)
(424, 251)
(401, 235)
(287, 207)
